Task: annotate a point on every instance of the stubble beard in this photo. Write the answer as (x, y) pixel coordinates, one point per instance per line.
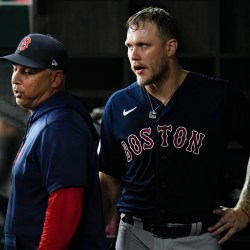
(156, 76)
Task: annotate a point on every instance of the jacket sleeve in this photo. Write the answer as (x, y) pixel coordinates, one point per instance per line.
(62, 218)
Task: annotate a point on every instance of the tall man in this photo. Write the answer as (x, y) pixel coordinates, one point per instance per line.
(163, 145)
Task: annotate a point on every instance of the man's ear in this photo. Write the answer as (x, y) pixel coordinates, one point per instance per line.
(171, 47)
(57, 78)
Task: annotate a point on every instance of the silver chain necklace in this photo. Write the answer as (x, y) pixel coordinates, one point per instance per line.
(153, 112)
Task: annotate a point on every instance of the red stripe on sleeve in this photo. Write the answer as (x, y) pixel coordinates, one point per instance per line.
(62, 218)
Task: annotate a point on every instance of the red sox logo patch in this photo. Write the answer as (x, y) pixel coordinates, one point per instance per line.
(25, 43)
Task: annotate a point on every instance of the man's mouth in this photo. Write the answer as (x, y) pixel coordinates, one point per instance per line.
(17, 93)
(138, 69)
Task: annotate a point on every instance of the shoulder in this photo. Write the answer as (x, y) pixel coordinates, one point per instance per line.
(124, 92)
(120, 100)
(62, 106)
(210, 84)
(123, 96)
(199, 77)
(215, 87)
(62, 116)
(63, 120)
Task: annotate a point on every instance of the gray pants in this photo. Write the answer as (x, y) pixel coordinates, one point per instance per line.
(133, 238)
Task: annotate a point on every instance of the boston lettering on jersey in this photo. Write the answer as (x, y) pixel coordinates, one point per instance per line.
(137, 143)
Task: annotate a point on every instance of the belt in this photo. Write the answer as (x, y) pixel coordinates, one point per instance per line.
(167, 230)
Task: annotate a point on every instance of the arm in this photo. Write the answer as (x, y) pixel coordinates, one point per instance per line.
(111, 192)
(62, 218)
(234, 219)
(244, 200)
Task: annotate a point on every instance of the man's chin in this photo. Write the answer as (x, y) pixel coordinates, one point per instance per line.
(20, 103)
(140, 81)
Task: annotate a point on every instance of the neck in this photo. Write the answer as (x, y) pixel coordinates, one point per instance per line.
(165, 90)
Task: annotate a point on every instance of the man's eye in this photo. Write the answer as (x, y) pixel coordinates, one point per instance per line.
(28, 72)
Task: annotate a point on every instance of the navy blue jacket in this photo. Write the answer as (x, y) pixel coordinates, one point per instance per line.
(58, 151)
